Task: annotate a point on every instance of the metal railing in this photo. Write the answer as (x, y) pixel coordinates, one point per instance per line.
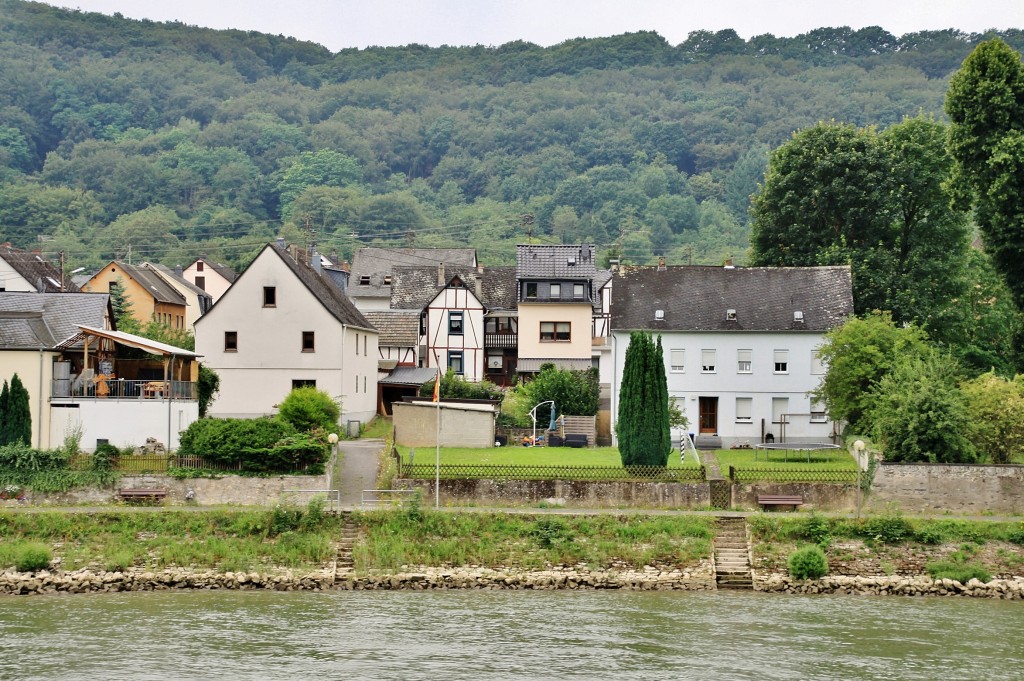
(123, 389)
(509, 472)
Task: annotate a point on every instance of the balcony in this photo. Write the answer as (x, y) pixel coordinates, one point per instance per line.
(503, 340)
(118, 389)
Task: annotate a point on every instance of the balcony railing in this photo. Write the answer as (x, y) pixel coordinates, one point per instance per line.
(121, 389)
(501, 340)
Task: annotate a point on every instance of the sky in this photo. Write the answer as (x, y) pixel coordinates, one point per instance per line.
(339, 24)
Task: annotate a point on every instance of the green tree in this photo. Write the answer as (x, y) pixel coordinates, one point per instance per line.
(208, 387)
(985, 104)
(308, 408)
(858, 355)
(325, 168)
(995, 405)
(919, 414)
(5, 400)
(576, 393)
(18, 416)
(642, 423)
(122, 307)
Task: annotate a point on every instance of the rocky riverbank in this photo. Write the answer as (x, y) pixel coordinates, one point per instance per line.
(424, 578)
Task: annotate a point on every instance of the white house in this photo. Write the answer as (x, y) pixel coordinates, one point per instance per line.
(740, 344)
(282, 325)
(212, 277)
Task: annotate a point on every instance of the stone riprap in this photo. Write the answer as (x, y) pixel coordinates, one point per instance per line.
(425, 578)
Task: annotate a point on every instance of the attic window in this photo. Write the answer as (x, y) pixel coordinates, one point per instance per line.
(199, 266)
(798, 316)
(364, 280)
(730, 314)
(659, 315)
(387, 280)
(571, 261)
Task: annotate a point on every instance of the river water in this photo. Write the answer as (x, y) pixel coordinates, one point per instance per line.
(507, 635)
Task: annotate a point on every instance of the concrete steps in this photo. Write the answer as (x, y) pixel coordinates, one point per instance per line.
(732, 554)
(343, 560)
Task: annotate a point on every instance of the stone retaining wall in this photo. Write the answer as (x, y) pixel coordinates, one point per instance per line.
(954, 488)
(818, 496)
(578, 493)
(234, 490)
(647, 579)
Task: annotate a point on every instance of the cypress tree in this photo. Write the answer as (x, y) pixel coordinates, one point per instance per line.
(5, 398)
(642, 425)
(18, 417)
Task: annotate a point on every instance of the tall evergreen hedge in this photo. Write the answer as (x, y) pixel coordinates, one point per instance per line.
(15, 415)
(642, 426)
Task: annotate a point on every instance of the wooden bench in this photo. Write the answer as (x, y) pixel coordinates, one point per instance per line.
(152, 495)
(793, 500)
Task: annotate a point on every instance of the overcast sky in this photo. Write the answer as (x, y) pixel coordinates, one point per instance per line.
(337, 24)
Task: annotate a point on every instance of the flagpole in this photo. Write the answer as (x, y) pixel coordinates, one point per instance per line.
(437, 442)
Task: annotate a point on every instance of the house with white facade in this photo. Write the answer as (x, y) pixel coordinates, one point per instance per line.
(26, 271)
(197, 301)
(212, 277)
(283, 325)
(83, 376)
(740, 344)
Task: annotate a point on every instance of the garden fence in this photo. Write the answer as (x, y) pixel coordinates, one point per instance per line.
(791, 475)
(512, 472)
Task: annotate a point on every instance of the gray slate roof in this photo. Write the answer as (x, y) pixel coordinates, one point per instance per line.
(697, 298)
(30, 321)
(398, 328)
(157, 287)
(168, 273)
(409, 376)
(329, 295)
(562, 261)
(376, 263)
(219, 268)
(37, 270)
(413, 287)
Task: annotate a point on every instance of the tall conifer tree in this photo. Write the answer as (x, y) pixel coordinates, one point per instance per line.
(18, 417)
(642, 425)
(5, 398)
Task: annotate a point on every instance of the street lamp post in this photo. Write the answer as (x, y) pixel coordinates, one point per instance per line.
(858, 447)
(332, 438)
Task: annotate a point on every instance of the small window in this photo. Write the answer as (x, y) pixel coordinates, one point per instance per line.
(308, 344)
(782, 361)
(707, 361)
(357, 344)
(199, 266)
(577, 291)
(365, 336)
(531, 290)
(364, 280)
(230, 341)
(744, 410)
(455, 362)
(556, 291)
(387, 280)
(817, 365)
(677, 361)
(555, 332)
(303, 383)
(818, 412)
(743, 361)
(201, 282)
(455, 323)
(269, 296)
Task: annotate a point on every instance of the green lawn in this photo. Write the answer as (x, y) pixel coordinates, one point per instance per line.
(828, 459)
(526, 456)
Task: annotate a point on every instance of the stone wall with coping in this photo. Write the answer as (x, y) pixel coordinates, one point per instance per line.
(954, 488)
(231, 490)
(578, 493)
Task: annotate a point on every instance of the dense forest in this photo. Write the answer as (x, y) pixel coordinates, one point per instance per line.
(161, 141)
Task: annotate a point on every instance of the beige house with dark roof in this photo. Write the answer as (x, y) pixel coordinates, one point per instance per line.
(282, 325)
(151, 297)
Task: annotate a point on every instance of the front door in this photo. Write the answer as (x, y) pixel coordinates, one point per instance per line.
(708, 415)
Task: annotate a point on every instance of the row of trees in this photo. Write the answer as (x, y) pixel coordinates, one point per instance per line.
(918, 402)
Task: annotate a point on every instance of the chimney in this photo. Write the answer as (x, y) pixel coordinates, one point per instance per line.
(279, 242)
(613, 264)
(479, 285)
(661, 263)
(178, 271)
(728, 264)
(314, 260)
(440, 275)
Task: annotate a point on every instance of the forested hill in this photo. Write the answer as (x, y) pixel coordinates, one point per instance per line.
(160, 141)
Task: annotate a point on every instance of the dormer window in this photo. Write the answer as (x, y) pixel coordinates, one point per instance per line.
(798, 316)
(730, 315)
(556, 291)
(387, 280)
(531, 290)
(659, 315)
(571, 261)
(577, 291)
(364, 280)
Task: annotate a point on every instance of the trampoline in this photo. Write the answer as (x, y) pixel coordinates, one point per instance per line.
(795, 447)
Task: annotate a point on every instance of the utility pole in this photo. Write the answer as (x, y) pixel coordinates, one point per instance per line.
(60, 256)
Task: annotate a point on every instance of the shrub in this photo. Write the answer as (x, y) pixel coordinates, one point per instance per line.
(1016, 535)
(308, 408)
(454, 386)
(224, 440)
(930, 535)
(816, 529)
(105, 457)
(957, 571)
(891, 528)
(32, 557)
(808, 562)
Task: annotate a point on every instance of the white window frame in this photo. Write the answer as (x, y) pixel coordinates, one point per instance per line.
(780, 359)
(817, 364)
(744, 361)
(705, 366)
(461, 356)
(745, 414)
(818, 412)
(578, 291)
(555, 291)
(677, 361)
